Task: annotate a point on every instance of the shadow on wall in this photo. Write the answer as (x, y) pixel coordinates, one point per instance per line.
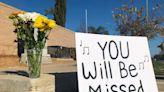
(20, 47)
(66, 82)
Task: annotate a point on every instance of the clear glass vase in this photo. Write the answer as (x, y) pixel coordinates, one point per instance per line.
(34, 57)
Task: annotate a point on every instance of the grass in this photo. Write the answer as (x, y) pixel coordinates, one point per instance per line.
(158, 67)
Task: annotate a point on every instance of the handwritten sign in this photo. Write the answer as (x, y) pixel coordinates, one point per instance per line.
(114, 64)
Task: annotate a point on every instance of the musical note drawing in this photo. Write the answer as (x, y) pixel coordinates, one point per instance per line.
(141, 64)
(81, 43)
(86, 50)
(146, 58)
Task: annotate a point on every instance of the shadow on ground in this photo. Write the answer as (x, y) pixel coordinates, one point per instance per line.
(22, 73)
(66, 82)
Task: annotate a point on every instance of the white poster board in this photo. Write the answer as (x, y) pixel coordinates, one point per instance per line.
(114, 64)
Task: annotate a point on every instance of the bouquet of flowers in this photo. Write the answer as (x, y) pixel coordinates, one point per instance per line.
(33, 29)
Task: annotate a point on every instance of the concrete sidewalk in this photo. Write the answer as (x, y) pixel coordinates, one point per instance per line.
(65, 73)
(160, 83)
(59, 66)
(66, 70)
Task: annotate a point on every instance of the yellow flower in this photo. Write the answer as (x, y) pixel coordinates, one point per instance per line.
(51, 24)
(45, 20)
(40, 22)
(41, 29)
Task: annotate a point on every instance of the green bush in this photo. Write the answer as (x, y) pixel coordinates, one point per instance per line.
(158, 67)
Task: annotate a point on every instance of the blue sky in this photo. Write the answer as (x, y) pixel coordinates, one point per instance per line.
(99, 13)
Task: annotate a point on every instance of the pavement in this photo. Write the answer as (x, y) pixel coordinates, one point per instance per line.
(160, 83)
(65, 72)
(59, 66)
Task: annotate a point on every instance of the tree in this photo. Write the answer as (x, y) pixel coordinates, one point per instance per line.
(98, 30)
(132, 21)
(58, 12)
(92, 29)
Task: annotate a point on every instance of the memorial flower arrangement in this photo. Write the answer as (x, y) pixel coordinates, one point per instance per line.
(33, 29)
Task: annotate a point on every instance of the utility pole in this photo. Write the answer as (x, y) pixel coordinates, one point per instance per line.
(86, 24)
(147, 10)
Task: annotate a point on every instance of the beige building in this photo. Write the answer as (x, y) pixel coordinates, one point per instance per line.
(59, 36)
